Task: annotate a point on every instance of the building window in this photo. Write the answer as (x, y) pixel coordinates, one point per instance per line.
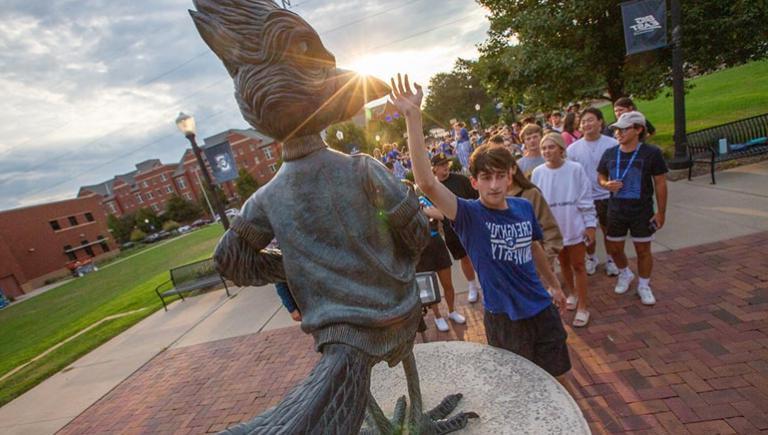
(112, 208)
(181, 183)
(188, 196)
(256, 159)
(169, 189)
(241, 151)
(163, 177)
(144, 184)
(149, 195)
(103, 243)
(139, 199)
(72, 220)
(69, 253)
(252, 147)
(89, 217)
(273, 167)
(55, 225)
(155, 207)
(268, 153)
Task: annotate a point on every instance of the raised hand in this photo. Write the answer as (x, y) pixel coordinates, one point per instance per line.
(403, 97)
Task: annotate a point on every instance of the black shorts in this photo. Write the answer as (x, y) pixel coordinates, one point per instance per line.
(540, 339)
(601, 207)
(636, 223)
(453, 243)
(434, 257)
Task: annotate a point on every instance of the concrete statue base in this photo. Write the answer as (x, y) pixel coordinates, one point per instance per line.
(511, 394)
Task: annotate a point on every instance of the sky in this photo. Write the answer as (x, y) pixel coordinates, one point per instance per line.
(89, 89)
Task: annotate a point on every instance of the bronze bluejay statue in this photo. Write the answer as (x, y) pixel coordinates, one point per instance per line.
(350, 233)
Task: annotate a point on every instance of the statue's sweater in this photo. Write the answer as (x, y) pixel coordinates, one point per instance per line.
(350, 234)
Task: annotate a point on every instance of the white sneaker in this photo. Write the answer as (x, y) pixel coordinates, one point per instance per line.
(472, 296)
(591, 265)
(456, 317)
(611, 269)
(646, 295)
(622, 284)
(441, 324)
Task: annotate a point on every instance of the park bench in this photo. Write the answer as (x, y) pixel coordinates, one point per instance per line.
(190, 277)
(744, 138)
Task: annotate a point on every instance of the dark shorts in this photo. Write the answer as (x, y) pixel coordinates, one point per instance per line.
(601, 207)
(540, 339)
(637, 224)
(434, 257)
(453, 242)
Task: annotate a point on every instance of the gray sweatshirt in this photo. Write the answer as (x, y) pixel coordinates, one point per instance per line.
(350, 235)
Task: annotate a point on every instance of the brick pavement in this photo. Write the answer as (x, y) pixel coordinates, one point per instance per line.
(697, 362)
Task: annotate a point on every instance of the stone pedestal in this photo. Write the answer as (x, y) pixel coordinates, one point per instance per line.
(511, 394)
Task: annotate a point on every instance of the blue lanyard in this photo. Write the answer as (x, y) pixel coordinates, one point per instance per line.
(629, 165)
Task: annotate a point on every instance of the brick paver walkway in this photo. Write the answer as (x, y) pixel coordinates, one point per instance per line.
(696, 363)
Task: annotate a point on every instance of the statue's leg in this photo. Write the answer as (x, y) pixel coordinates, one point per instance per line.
(416, 417)
(379, 423)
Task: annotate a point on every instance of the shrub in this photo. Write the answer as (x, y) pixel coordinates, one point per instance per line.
(137, 235)
(170, 226)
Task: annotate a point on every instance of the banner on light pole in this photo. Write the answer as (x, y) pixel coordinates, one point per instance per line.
(645, 25)
(222, 162)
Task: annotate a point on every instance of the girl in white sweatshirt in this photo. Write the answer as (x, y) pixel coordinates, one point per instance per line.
(567, 190)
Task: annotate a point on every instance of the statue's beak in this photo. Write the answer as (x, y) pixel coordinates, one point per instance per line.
(355, 90)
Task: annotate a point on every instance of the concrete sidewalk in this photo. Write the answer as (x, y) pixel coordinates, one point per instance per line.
(697, 213)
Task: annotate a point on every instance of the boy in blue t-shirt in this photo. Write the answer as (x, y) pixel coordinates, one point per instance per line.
(502, 238)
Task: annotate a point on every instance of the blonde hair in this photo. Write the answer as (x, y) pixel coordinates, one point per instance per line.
(530, 129)
(555, 137)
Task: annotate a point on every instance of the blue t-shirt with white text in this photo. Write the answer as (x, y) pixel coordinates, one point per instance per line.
(499, 244)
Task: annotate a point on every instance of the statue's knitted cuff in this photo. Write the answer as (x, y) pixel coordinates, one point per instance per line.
(250, 233)
(402, 214)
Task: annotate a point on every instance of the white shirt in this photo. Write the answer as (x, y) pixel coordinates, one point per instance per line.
(568, 194)
(588, 155)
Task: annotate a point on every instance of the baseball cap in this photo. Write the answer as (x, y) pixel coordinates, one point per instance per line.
(629, 119)
(439, 159)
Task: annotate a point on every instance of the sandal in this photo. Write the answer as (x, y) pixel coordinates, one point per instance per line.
(581, 319)
(571, 302)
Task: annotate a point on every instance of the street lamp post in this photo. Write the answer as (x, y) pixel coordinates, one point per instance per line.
(186, 125)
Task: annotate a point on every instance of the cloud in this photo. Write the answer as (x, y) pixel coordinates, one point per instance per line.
(91, 88)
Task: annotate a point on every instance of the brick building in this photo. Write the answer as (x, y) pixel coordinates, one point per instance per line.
(153, 182)
(37, 242)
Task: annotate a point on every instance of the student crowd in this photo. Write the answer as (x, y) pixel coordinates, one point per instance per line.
(514, 202)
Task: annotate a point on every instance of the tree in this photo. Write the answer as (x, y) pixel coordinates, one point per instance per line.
(246, 185)
(546, 55)
(180, 210)
(454, 95)
(121, 227)
(388, 132)
(354, 136)
(148, 221)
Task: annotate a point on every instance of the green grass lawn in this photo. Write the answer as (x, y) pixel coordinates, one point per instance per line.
(33, 326)
(716, 98)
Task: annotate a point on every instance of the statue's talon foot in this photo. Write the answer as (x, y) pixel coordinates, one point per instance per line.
(445, 407)
(457, 422)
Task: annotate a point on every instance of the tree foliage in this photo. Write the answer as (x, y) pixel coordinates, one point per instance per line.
(353, 136)
(388, 132)
(180, 210)
(246, 184)
(121, 227)
(148, 221)
(454, 95)
(546, 53)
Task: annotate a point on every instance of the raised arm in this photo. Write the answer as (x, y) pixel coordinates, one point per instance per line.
(409, 103)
